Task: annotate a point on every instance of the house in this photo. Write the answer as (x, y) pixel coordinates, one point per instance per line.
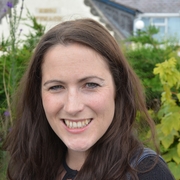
(126, 16)
(49, 13)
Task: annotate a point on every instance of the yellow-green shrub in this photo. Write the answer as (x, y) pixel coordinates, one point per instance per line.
(169, 114)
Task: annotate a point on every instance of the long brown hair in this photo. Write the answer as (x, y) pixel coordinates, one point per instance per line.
(35, 150)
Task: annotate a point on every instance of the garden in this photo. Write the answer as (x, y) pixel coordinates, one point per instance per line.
(156, 62)
(16, 51)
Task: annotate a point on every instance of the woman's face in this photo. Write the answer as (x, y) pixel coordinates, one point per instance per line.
(78, 94)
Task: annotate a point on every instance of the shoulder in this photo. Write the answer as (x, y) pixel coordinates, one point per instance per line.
(151, 166)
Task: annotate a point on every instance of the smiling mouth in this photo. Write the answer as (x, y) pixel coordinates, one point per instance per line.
(76, 124)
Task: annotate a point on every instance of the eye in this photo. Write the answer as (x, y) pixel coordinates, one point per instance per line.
(56, 88)
(92, 85)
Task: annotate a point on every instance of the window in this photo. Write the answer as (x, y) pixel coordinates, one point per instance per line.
(161, 24)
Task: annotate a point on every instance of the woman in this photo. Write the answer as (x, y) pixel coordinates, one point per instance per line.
(76, 111)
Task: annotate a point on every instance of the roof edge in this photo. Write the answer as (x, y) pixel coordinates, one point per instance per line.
(120, 6)
(159, 15)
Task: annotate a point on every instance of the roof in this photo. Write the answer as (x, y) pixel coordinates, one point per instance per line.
(119, 6)
(151, 6)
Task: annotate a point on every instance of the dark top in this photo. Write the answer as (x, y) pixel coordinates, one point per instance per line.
(70, 173)
(159, 172)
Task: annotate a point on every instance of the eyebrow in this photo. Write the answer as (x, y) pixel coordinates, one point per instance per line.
(81, 80)
(91, 77)
(53, 81)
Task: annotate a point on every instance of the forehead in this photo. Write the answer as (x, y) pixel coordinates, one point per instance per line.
(74, 57)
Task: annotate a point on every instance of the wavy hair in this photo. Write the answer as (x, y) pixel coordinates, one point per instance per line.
(35, 150)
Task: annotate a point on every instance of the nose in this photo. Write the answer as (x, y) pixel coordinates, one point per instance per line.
(73, 104)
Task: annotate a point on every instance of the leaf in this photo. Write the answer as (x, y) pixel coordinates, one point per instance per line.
(178, 96)
(163, 110)
(167, 140)
(175, 120)
(178, 148)
(167, 157)
(169, 75)
(174, 168)
(159, 132)
(171, 120)
(167, 125)
(172, 154)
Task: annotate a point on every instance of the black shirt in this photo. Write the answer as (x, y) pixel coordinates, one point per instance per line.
(146, 161)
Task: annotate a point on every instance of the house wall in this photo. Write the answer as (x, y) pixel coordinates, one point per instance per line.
(124, 19)
(49, 13)
(169, 27)
(174, 26)
(120, 19)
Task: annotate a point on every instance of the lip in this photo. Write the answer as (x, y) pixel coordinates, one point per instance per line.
(76, 130)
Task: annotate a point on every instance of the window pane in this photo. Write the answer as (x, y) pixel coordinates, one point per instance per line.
(161, 29)
(158, 20)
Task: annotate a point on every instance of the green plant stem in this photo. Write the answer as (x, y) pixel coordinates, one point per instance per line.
(6, 92)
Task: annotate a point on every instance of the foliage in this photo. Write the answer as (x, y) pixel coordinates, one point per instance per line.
(169, 114)
(143, 53)
(158, 66)
(15, 50)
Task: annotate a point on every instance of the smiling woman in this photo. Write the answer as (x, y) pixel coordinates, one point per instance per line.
(76, 112)
(80, 107)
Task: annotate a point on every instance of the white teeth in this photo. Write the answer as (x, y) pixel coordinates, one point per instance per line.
(79, 124)
(67, 122)
(74, 124)
(70, 124)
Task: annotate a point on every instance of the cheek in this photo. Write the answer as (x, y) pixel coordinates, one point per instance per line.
(104, 103)
(50, 103)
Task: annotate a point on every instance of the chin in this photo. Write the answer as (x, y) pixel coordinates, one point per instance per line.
(81, 147)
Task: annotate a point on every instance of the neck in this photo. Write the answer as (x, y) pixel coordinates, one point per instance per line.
(75, 159)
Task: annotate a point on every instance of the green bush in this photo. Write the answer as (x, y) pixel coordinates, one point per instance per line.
(143, 53)
(169, 114)
(158, 66)
(16, 52)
